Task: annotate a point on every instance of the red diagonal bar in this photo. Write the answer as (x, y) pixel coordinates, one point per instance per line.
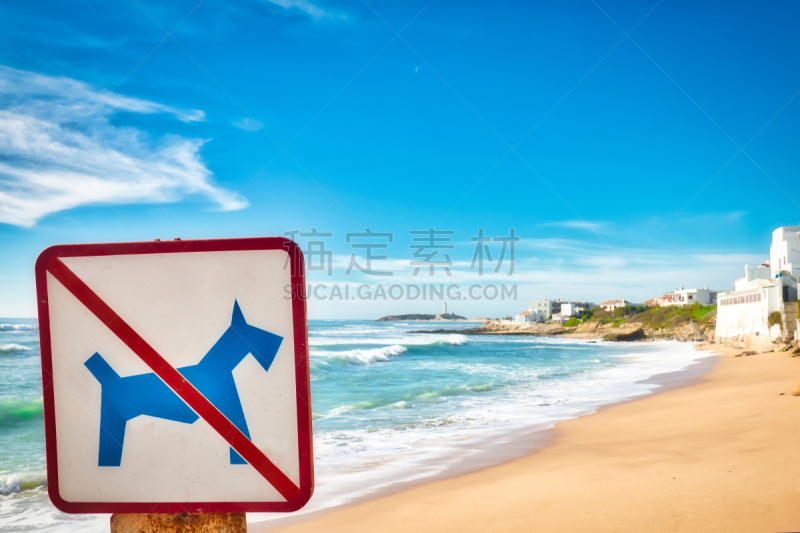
(173, 379)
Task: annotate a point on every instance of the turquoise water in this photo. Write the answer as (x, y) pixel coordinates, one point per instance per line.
(390, 406)
(22, 434)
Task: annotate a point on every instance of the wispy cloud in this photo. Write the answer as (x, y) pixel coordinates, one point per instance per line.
(307, 7)
(595, 227)
(247, 124)
(99, 162)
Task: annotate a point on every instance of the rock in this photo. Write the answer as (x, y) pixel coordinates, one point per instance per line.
(691, 333)
(590, 326)
(623, 335)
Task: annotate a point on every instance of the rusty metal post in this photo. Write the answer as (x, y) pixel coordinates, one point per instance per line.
(178, 523)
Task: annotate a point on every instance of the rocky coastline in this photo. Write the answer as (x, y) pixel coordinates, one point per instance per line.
(624, 332)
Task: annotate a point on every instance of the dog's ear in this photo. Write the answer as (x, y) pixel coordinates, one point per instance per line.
(238, 317)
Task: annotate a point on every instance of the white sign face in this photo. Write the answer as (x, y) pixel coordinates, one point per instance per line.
(176, 376)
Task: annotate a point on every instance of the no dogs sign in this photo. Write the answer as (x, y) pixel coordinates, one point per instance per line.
(175, 376)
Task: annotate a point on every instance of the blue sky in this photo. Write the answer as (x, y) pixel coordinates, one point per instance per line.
(628, 163)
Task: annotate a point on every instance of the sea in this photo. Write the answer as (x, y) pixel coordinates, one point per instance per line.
(391, 406)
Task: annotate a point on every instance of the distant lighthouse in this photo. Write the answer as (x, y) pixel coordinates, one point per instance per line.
(445, 308)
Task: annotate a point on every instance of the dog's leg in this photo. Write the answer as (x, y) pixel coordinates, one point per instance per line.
(112, 434)
(112, 421)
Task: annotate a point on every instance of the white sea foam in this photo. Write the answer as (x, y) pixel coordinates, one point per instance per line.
(11, 483)
(374, 355)
(356, 337)
(8, 348)
(18, 327)
(455, 340)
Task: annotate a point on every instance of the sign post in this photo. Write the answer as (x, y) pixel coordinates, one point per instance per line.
(178, 523)
(176, 381)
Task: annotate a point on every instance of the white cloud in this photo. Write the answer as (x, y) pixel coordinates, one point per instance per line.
(247, 124)
(307, 7)
(99, 162)
(578, 224)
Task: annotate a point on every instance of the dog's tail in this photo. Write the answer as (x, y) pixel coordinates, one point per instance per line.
(112, 420)
(101, 370)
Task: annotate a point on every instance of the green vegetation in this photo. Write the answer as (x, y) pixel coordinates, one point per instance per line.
(571, 322)
(774, 318)
(702, 310)
(656, 317)
(628, 310)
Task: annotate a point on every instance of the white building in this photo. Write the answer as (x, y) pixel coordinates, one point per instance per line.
(784, 251)
(683, 296)
(548, 307)
(554, 307)
(530, 316)
(743, 313)
(570, 309)
(611, 305)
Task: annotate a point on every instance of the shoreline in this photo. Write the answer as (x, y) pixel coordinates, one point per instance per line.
(525, 444)
(719, 454)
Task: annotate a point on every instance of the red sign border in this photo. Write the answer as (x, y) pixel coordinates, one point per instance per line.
(302, 377)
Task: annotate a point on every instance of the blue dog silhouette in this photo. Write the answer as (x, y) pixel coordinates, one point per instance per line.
(145, 394)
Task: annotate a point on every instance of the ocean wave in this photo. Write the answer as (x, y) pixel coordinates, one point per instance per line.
(12, 348)
(405, 401)
(25, 409)
(416, 342)
(374, 355)
(11, 483)
(454, 340)
(18, 327)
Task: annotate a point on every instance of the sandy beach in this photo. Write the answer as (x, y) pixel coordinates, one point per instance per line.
(722, 454)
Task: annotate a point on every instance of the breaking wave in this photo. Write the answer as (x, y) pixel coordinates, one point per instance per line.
(12, 348)
(18, 327)
(374, 355)
(11, 483)
(454, 340)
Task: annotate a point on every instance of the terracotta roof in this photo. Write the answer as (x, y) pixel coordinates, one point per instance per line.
(524, 313)
(614, 302)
